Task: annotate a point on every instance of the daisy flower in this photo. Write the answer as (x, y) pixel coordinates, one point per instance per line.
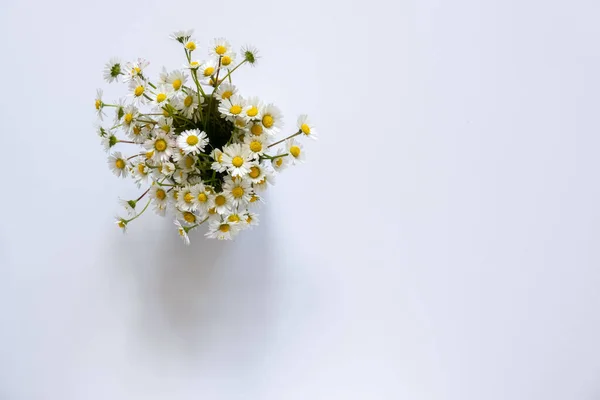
(296, 151)
(159, 209)
(257, 173)
(112, 70)
(135, 69)
(218, 165)
(187, 163)
(188, 104)
(251, 219)
(202, 198)
(221, 204)
(162, 145)
(235, 218)
(207, 69)
(182, 232)
(256, 144)
(163, 77)
(256, 128)
(225, 91)
(185, 199)
(306, 127)
(139, 132)
(140, 172)
(272, 119)
(240, 123)
(167, 168)
(253, 108)
(165, 124)
(238, 191)
(182, 36)
(118, 164)
(130, 113)
(121, 223)
(177, 80)
(250, 54)
(162, 96)
(190, 45)
(221, 230)
(192, 141)
(159, 195)
(138, 88)
(109, 141)
(227, 60)
(129, 206)
(181, 177)
(281, 161)
(99, 104)
(194, 65)
(237, 159)
(219, 47)
(188, 217)
(232, 107)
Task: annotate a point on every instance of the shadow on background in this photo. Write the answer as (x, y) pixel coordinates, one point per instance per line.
(207, 302)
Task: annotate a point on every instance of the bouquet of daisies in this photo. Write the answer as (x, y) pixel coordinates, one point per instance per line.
(205, 152)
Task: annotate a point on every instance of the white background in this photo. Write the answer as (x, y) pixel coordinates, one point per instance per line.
(440, 243)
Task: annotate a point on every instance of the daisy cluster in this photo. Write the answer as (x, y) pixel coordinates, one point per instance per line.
(205, 152)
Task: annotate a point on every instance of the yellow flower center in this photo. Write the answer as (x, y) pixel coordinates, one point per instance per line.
(227, 94)
(253, 198)
(256, 146)
(202, 198)
(188, 197)
(252, 112)
(220, 158)
(209, 71)
(224, 228)
(295, 151)
(137, 130)
(136, 70)
(191, 46)
(188, 101)
(256, 129)
(128, 118)
(235, 109)
(240, 122)
(181, 231)
(189, 161)
(166, 113)
(233, 218)
(305, 129)
(160, 145)
(139, 91)
(237, 192)
(98, 104)
(175, 195)
(237, 161)
(142, 169)
(226, 60)
(160, 194)
(279, 161)
(194, 63)
(149, 154)
(212, 211)
(120, 163)
(122, 224)
(220, 50)
(192, 140)
(254, 172)
(166, 128)
(177, 84)
(267, 121)
(189, 217)
(220, 200)
(161, 97)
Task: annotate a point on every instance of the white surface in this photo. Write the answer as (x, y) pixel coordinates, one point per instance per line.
(440, 243)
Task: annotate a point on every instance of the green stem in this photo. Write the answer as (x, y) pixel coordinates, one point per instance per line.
(147, 204)
(228, 74)
(283, 140)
